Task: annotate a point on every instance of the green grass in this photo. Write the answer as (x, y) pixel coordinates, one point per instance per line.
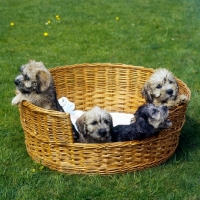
(150, 33)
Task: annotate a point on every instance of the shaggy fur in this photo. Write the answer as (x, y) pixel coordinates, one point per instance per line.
(149, 120)
(162, 89)
(35, 84)
(94, 126)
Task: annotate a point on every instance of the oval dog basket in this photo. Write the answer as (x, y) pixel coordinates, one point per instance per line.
(115, 87)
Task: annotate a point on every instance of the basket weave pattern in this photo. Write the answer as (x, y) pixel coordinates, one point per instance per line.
(115, 87)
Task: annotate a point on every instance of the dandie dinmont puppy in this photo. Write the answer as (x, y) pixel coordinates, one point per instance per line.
(94, 126)
(149, 120)
(162, 89)
(35, 84)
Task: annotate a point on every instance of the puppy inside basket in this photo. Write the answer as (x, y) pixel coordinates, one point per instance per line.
(69, 107)
(148, 120)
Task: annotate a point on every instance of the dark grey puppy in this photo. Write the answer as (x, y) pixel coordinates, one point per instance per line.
(149, 120)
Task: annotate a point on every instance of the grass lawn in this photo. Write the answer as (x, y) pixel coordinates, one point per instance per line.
(150, 33)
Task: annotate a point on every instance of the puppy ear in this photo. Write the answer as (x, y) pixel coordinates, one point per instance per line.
(146, 93)
(80, 123)
(111, 122)
(144, 128)
(43, 81)
(141, 125)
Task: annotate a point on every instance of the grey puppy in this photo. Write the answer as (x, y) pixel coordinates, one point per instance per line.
(35, 84)
(94, 126)
(162, 89)
(149, 120)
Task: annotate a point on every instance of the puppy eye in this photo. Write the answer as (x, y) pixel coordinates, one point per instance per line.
(94, 123)
(106, 121)
(154, 111)
(170, 82)
(26, 78)
(159, 86)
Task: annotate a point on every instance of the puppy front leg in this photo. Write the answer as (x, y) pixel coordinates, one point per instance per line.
(16, 99)
(166, 124)
(181, 99)
(171, 104)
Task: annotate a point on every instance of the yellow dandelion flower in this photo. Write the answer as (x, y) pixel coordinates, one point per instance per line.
(33, 170)
(46, 34)
(49, 22)
(117, 18)
(57, 16)
(12, 23)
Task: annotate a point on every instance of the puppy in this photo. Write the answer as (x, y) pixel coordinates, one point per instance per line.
(149, 120)
(35, 84)
(94, 126)
(162, 89)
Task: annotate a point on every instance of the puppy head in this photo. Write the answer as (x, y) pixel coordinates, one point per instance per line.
(154, 115)
(95, 125)
(157, 115)
(34, 77)
(160, 87)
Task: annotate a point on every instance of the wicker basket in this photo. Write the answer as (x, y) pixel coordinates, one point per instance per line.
(115, 87)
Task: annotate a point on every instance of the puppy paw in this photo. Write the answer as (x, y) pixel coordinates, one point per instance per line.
(171, 105)
(166, 124)
(15, 101)
(182, 99)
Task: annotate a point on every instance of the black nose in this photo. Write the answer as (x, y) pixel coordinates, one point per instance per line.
(170, 91)
(102, 132)
(16, 81)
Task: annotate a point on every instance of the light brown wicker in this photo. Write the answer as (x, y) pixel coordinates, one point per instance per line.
(115, 87)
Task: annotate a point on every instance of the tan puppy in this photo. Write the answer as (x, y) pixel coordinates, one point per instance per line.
(35, 84)
(94, 126)
(162, 89)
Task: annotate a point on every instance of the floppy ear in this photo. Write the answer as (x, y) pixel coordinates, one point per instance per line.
(141, 125)
(144, 128)
(111, 122)
(43, 81)
(80, 123)
(146, 93)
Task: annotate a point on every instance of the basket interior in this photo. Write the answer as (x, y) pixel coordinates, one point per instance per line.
(113, 87)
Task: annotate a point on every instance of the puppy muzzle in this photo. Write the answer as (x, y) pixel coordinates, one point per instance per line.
(102, 132)
(170, 92)
(21, 87)
(17, 82)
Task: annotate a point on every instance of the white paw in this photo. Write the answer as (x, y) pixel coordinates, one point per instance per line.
(168, 123)
(15, 101)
